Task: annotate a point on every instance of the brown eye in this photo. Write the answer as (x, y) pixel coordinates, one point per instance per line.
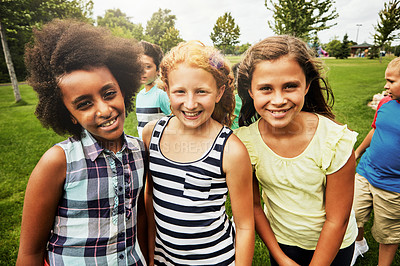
(265, 88)
(83, 105)
(109, 94)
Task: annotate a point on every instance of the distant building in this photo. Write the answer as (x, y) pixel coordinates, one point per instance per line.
(360, 50)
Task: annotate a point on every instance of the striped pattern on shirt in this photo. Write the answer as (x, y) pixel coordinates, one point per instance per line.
(95, 223)
(145, 115)
(151, 105)
(192, 227)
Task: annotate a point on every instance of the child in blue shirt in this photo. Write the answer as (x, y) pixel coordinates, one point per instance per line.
(84, 203)
(152, 103)
(378, 174)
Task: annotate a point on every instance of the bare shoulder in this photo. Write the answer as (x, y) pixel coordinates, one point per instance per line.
(52, 166)
(235, 153)
(147, 131)
(54, 156)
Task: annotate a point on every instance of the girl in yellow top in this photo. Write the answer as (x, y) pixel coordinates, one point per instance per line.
(302, 159)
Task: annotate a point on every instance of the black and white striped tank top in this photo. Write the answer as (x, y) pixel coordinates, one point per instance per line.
(192, 227)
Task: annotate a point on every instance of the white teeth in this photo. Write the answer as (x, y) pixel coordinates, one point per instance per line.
(278, 112)
(191, 114)
(109, 123)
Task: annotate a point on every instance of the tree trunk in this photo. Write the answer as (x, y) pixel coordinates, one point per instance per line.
(9, 63)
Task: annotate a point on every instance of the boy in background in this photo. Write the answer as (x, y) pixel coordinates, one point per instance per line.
(152, 103)
(378, 174)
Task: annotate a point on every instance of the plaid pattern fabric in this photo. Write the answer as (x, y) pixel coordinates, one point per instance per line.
(96, 217)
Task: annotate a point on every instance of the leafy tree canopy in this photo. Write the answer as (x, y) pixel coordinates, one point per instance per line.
(18, 17)
(120, 25)
(225, 33)
(333, 47)
(170, 39)
(158, 24)
(301, 18)
(389, 22)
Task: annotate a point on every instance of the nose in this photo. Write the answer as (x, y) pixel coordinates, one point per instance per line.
(387, 85)
(190, 101)
(278, 98)
(103, 110)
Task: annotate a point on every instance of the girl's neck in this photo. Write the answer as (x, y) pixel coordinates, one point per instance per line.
(114, 146)
(185, 145)
(203, 130)
(292, 140)
(149, 86)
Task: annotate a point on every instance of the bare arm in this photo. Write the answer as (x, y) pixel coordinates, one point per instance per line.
(43, 192)
(264, 230)
(364, 144)
(339, 200)
(142, 226)
(148, 196)
(237, 167)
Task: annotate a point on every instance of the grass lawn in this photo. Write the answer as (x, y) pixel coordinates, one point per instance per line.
(23, 141)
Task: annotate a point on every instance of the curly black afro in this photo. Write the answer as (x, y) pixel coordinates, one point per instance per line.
(63, 46)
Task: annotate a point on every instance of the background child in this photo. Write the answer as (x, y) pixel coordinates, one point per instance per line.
(302, 159)
(151, 102)
(238, 101)
(194, 161)
(84, 202)
(378, 174)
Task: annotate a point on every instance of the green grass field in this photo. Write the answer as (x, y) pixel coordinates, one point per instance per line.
(23, 141)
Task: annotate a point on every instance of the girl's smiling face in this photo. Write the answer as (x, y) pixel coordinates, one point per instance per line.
(193, 94)
(95, 101)
(278, 88)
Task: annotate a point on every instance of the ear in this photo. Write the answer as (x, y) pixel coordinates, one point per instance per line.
(250, 93)
(73, 119)
(220, 93)
(307, 88)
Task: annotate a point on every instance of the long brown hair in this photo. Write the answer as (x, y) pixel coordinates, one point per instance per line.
(319, 98)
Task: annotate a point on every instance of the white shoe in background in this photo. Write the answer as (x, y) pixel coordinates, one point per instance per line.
(360, 248)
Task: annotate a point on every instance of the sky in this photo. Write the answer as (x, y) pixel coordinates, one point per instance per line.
(196, 18)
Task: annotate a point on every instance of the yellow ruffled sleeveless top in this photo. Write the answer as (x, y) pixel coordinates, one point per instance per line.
(293, 188)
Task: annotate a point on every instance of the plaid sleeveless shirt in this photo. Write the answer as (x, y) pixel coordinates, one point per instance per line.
(95, 223)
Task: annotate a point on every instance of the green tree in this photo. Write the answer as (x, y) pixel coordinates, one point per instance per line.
(158, 25)
(373, 52)
(17, 20)
(344, 50)
(225, 33)
(120, 25)
(389, 21)
(301, 18)
(333, 47)
(170, 39)
(240, 49)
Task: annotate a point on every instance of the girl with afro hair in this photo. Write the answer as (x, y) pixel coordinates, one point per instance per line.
(84, 200)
